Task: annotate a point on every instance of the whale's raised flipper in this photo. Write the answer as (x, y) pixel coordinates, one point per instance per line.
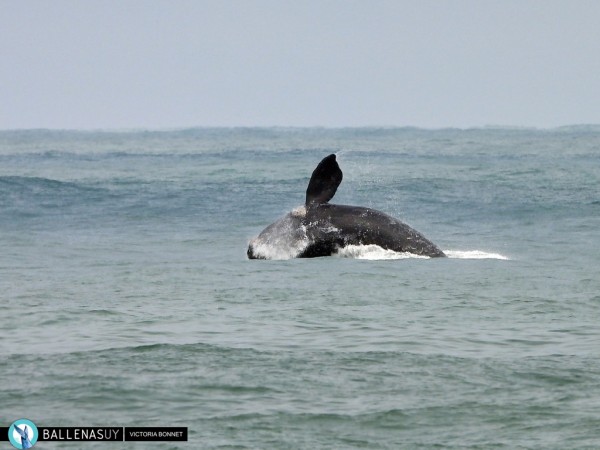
(324, 181)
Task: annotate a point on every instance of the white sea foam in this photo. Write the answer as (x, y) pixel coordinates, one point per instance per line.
(373, 252)
(473, 254)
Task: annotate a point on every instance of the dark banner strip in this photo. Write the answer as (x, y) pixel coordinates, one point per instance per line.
(107, 434)
(156, 433)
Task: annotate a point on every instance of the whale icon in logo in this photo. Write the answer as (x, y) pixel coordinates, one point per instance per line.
(23, 434)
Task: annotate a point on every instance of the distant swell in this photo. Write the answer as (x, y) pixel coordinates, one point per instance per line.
(37, 187)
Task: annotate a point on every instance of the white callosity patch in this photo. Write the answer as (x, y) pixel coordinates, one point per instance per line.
(299, 212)
(329, 229)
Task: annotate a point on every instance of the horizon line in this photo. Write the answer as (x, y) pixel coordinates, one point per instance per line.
(302, 127)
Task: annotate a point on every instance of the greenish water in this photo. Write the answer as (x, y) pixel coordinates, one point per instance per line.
(127, 298)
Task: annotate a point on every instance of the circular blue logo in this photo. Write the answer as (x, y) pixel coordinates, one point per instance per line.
(22, 433)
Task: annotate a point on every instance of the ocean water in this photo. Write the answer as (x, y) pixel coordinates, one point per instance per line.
(127, 299)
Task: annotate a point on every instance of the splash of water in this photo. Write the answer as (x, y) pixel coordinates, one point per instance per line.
(474, 254)
(375, 252)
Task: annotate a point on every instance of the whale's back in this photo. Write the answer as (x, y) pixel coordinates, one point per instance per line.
(355, 225)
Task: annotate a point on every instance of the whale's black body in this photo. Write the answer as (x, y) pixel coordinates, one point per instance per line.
(320, 229)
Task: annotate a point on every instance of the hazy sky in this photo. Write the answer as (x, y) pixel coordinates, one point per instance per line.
(163, 64)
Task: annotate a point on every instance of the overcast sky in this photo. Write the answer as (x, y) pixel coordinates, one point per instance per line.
(87, 64)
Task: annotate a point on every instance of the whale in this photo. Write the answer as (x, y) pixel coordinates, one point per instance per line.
(319, 228)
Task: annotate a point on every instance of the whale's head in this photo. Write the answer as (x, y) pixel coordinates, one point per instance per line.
(284, 239)
(288, 237)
